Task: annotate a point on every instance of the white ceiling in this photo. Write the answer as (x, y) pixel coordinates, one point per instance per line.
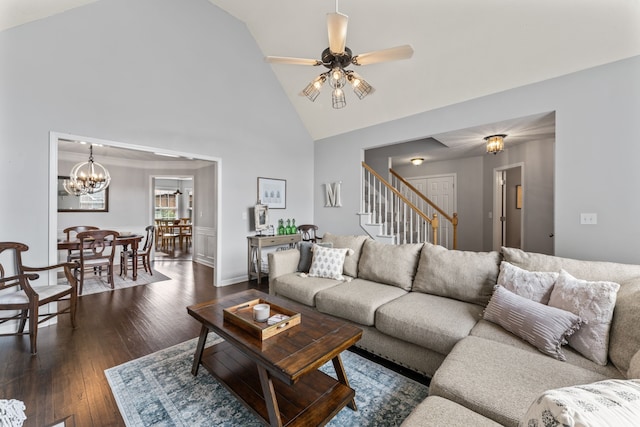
(463, 48)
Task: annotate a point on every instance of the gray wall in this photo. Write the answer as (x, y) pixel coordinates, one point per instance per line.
(153, 73)
(596, 154)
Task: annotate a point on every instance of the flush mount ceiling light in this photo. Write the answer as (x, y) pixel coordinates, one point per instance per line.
(88, 177)
(417, 161)
(495, 143)
(337, 57)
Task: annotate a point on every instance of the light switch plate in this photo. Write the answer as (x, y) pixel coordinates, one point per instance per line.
(588, 219)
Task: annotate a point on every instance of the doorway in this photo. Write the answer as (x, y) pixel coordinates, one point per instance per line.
(173, 198)
(205, 168)
(508, 206)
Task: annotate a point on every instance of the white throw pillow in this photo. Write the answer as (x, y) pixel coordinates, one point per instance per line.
(533, 285)
(593, 302)
(328, 262)
(604, 403)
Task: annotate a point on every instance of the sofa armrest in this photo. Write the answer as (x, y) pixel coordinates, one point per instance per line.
(283, 262)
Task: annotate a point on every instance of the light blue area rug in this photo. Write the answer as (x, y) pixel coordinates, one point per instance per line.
(159, 390)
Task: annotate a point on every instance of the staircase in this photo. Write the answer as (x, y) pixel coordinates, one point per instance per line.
(397, 213)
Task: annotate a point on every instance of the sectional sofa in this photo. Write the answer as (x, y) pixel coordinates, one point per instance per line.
(507, 337)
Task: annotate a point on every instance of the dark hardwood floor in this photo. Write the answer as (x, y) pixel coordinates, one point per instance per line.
(66, 380)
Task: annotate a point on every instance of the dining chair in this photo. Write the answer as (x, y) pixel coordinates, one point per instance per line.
(308, 232)
(98, 252)
(144, 254)
(25, 289)
(169, 237)
(72, 234)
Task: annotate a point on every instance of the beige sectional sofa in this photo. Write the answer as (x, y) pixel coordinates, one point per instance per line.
(421, 306)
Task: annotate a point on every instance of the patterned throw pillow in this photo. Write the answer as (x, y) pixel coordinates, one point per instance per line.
(544, 327)
(594, 303)
(328, 262)
(533, 285)
(604, 403)
(306, 255)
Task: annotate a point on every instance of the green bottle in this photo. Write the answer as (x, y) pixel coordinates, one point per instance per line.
(281, 229)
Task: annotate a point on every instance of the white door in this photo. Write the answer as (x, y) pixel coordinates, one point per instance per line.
(441, 190)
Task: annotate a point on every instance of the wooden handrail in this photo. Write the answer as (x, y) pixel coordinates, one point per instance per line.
(400, 196)
(422, 196)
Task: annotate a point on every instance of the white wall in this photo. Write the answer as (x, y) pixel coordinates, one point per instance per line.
(154, 73)
(596, 153)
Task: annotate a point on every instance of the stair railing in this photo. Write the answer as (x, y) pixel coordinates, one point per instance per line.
(396, 214)
(422, 202)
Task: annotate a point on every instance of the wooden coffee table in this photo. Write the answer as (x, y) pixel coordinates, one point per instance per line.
(278, 378)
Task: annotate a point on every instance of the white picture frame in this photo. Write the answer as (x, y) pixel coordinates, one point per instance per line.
(261, 217)
(272, 192)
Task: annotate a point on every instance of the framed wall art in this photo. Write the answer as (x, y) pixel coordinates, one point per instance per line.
(272, 192)
(518, 196)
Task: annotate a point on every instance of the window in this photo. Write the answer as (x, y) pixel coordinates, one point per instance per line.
(166, 204)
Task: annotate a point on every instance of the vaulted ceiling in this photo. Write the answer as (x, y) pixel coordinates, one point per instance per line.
(464, 49)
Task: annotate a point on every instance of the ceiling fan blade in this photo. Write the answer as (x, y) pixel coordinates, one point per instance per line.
(337, 28)
(291, 61)
(391, 54)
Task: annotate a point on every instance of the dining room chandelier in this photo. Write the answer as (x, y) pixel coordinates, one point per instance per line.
(88, 177)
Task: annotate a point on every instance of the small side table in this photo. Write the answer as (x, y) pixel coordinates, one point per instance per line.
(254, 250)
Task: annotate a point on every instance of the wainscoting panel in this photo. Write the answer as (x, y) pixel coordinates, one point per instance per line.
(205, 240)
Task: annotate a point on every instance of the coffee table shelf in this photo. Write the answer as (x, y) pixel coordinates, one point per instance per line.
(313, 400)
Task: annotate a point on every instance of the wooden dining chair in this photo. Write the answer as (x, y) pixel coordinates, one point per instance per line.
(98, 252)
(144, 254)
(72, 234)
(169, 237)
(308, 232)
(25, 289)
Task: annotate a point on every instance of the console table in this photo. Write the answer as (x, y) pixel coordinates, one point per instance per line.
(255, 245)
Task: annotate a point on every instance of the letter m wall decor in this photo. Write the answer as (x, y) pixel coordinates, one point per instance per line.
(332, 194)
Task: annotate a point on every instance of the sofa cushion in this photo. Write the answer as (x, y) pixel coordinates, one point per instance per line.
(586, 270)
(300, 289)
(491, 331)
(546, 328)
(328, 262)
(634, 368)
(462, 275)
(604, 403)
(594, 303)
(390, 264)
(425, 320)
(351, 242)
(435, 411)
(306, 254)
(533, 285)
(500, 381)
(357, 300)
(624, 336)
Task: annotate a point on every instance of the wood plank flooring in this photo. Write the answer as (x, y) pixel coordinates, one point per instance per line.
(66, 381)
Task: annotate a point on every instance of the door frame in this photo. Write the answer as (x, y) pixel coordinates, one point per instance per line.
(497, 204)
(53, 187)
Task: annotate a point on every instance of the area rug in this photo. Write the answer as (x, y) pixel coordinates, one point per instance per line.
(94, 284)
(159, 390)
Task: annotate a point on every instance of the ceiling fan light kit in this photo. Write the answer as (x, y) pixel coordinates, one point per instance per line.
(336, 58)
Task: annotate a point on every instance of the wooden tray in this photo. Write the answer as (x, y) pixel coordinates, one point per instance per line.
(242, 315)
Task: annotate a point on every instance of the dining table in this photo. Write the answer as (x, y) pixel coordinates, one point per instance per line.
(124, 241)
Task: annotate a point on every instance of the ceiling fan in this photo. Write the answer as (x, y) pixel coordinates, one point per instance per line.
(337, 57)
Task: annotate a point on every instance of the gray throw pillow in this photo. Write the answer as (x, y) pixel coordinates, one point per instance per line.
(306, 254)
(546, 328)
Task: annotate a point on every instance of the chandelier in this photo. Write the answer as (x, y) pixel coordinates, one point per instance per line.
(495, 143)
(88, 177)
